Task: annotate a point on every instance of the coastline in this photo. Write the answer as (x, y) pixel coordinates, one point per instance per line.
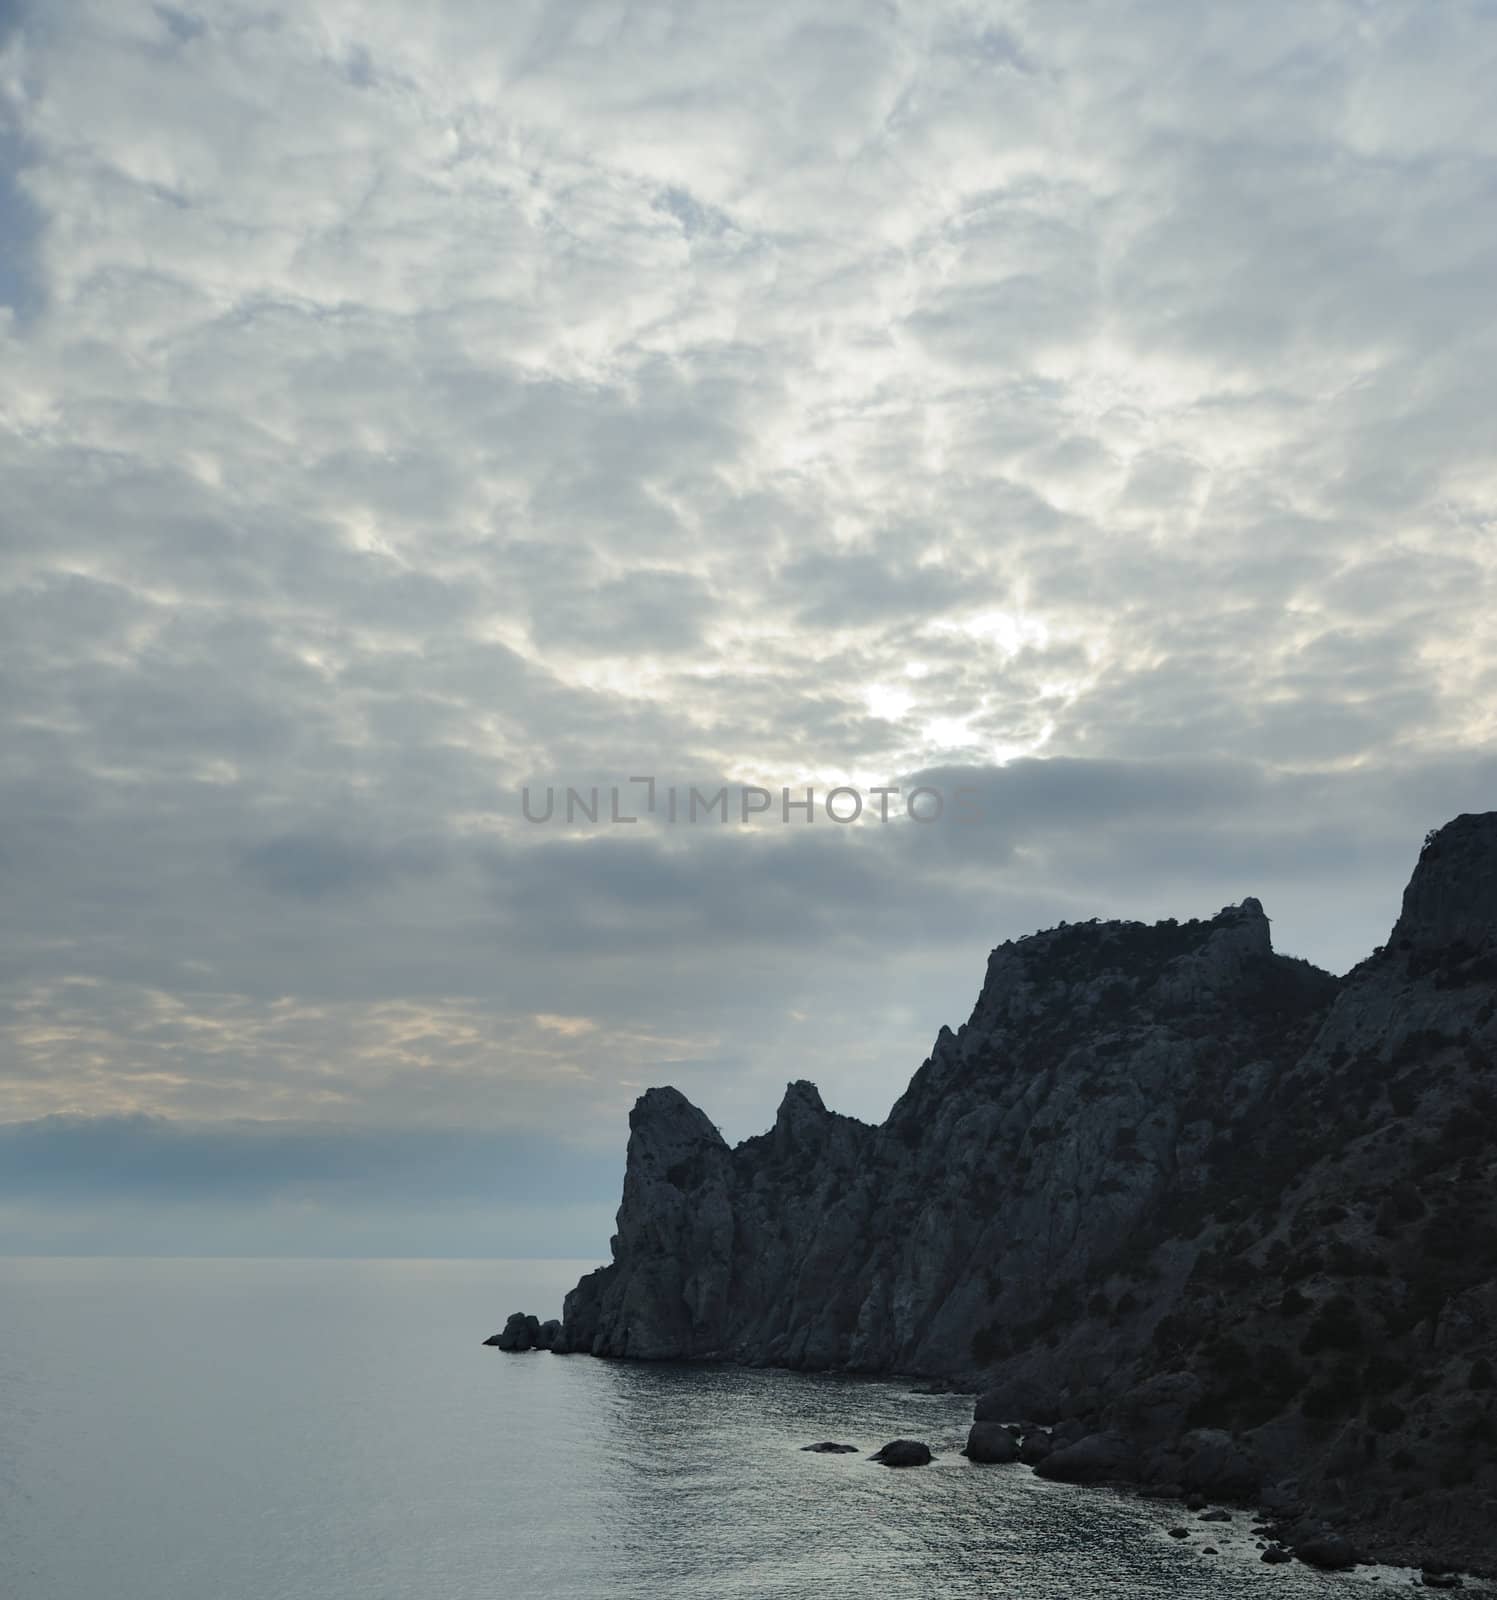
(1184, 1209)
(1277, 1520)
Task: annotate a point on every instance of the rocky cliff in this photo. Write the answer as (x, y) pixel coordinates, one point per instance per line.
(1201, 1201)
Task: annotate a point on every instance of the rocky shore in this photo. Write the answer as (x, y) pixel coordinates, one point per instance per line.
(1190, 1214)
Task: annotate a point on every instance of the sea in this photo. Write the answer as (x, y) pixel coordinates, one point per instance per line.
(335, 1430)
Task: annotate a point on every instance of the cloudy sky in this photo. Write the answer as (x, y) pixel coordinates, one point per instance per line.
(1090, 405)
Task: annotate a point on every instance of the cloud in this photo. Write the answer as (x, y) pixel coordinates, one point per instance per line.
(157, 1157)
(310, 866)
(144, 1183)
(402, 405)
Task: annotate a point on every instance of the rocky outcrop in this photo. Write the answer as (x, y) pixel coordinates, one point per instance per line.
(520, 1333)
(524, 1332)
(1025, 1148)
(1225, 1220)
(1096, 1458)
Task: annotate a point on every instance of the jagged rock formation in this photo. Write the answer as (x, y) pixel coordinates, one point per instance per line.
(523, 1332)
(1227, 1219)
(1025, 1149)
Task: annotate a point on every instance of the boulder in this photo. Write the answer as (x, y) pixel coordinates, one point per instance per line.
(827, 1448)
(1275, 1554)
(1035, 1448)
(1097, 1457)
(1328, 1550)
(903, 1453)
(991, 1442)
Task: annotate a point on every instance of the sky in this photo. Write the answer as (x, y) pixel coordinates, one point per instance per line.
(1089, 407)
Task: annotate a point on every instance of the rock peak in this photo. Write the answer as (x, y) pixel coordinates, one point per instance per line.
(802, 1119)
(800, 1097)
(664, 1117)
(1247, 923)
(1452, 896)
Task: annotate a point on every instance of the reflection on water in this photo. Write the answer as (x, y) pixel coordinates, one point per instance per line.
(178, 1430)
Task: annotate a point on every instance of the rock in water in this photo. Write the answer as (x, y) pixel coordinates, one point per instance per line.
(827, 1448)
(903, 1453)
(1163, 1188)
(520, 1333)
(991, 1442)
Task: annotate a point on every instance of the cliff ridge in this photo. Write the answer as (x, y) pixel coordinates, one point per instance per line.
(1164, 1184)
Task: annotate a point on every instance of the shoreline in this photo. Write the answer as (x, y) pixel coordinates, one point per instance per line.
(1285, 1525)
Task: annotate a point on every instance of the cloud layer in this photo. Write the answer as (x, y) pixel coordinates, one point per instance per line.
(400, 405)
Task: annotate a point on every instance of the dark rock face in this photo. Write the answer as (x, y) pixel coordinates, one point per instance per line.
(1164, 1189)
(1212, 1462)
(1000, 1176)
(1452, 898)
(1035, 1447)
(903, 1453)
(1097, 1458)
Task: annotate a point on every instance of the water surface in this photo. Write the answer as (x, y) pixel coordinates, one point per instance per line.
(308, 1430)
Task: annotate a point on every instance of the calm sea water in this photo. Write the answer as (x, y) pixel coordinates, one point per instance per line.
(306, 1430)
